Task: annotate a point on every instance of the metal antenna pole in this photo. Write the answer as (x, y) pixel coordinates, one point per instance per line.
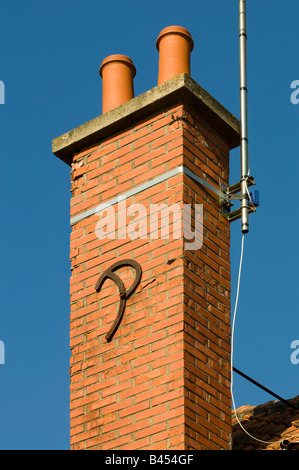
(239, 190)
(243, 116)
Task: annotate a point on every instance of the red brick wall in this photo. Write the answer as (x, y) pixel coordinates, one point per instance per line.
(163, 381)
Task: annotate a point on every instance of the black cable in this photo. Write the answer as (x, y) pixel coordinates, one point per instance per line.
(264, 388)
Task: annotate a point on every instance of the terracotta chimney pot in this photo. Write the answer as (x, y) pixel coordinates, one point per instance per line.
(174, 44)
(117, 72)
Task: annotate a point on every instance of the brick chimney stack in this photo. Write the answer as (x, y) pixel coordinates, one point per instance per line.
(162, 379)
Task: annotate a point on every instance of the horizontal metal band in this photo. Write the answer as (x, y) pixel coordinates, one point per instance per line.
(143, 187)
(126, 195)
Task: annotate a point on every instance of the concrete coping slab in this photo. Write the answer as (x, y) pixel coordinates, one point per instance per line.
(180, 89)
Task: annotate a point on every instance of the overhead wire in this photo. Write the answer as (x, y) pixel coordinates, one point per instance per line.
(286, 402)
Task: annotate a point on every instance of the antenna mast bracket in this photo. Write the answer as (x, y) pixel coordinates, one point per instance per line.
(231, 193)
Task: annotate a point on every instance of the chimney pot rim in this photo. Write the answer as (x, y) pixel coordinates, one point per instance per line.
(180, 30)
(118, 58)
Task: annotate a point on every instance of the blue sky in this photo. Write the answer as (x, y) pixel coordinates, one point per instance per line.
(50, 55)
